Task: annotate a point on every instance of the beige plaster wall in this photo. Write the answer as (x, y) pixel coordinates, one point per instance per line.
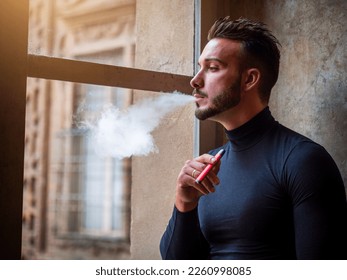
(165, 42)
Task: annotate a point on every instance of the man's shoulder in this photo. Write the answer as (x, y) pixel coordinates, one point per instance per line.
(291, 134)
(292, 146)
(302, 151)
(291, 139)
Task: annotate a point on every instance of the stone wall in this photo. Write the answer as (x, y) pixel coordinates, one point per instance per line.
(165, 42)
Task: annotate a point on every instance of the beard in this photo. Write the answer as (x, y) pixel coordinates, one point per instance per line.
(225, 100)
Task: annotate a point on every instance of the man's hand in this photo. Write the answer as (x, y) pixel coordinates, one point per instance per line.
(188, 191)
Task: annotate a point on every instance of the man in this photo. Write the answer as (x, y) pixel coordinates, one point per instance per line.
(279, 195)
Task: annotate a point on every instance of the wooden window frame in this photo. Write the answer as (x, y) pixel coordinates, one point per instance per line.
(16, 65)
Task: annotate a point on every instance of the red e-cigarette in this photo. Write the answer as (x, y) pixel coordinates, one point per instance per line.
(208, 168)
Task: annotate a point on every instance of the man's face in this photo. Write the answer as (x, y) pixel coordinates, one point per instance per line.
(217, 84)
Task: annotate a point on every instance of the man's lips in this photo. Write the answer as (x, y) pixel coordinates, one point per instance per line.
(199, 95)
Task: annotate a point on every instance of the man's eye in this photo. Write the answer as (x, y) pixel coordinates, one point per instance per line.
(213, 68)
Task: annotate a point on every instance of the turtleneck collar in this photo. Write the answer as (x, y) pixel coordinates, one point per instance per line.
(251, 132)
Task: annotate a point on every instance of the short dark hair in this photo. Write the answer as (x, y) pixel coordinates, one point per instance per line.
(259, 44)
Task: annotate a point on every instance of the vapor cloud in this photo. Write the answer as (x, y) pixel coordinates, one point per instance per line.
(124, 133)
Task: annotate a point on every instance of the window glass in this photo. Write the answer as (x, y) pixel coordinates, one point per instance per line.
(72, 195)
(82, 30)
(84, 195)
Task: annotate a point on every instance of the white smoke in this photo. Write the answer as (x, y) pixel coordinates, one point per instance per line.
(124, 133)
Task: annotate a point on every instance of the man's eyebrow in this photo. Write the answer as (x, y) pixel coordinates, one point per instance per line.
(216, 59)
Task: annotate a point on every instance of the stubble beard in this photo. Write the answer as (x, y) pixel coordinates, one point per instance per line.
(225, 100)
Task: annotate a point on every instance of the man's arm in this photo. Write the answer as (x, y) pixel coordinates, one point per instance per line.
(319, 203)
(183, 238)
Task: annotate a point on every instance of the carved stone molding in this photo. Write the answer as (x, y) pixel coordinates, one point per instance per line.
(83, 22)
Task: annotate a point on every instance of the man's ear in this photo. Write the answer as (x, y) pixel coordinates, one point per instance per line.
(252, 78)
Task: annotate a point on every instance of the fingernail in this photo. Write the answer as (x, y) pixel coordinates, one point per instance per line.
(216, 182)
(213, 159)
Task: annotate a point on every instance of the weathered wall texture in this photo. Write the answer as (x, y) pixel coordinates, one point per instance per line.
(311, 94)
(165, 43)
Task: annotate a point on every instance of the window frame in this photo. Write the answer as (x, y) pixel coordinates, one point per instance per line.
(69, 70)
(19, 64)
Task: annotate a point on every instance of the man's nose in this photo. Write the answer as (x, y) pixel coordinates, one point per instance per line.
(197, 81)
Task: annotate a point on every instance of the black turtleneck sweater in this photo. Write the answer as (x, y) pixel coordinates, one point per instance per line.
(280, 196)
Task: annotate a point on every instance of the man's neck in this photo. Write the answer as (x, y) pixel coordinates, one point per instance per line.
(239, 115)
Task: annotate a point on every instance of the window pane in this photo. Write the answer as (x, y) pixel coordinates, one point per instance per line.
(82, 29)
(72, 194)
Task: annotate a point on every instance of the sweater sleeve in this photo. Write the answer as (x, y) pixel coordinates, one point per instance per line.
(183, 238)
(318, 197)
